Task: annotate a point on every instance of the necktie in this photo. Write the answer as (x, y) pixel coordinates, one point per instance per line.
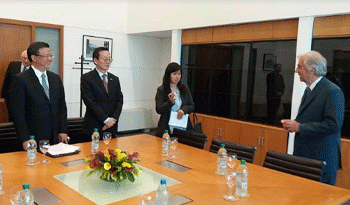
(105, 82)
(306, 94)
(44, 84)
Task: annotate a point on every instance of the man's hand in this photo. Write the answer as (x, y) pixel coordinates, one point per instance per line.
(63, 137)
(25, 145)
(291, 125)
(110, 123)
(180, 114)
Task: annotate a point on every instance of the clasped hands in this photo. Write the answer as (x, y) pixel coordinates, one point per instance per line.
(290, 125)
(110, 123)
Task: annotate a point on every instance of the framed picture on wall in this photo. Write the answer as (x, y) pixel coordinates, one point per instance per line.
(92, 42)
(269, 62)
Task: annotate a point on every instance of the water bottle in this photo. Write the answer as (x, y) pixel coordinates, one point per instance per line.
(222, 163)
(25, 196)
(31, 151)
(242, 179)
(95, 144)
(165, 143)
(1, 179)
(162, 194)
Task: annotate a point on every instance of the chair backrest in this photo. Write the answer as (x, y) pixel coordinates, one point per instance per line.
(8, 138)
(300, 166)
(190, 138)
(243, 151)
(75, 130)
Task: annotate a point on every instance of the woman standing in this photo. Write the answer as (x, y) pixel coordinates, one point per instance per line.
(172, 95)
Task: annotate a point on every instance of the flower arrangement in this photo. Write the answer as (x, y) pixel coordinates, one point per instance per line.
(114, 165)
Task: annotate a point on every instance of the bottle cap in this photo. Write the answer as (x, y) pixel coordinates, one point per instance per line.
(243, 161)
(25, 186)
(32, 137)
(95, 130)
(166, 131)
(162, 181)
(222, 145)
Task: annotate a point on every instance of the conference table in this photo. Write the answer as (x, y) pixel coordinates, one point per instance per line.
(200, 183)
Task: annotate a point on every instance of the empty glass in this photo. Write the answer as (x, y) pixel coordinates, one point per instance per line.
(146, 199)
(107, 137)
(44, 147)
(173, 146)
(230, 180)
(232, 160)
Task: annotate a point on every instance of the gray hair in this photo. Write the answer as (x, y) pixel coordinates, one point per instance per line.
(313, 60)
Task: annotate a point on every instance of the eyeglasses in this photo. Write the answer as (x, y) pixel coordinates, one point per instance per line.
(106, 60)
(47, 56)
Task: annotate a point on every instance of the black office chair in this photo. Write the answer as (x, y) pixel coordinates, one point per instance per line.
(9, 141)
(243, 151)
(291, 164)
(190, 138)
(75, 130)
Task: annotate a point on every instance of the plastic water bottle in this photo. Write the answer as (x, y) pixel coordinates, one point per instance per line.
(162, 194)
(165, 143)
(242, 179)
(222, 163)
(31, 151)
(95, 144)
(1, 179)
(25, 196)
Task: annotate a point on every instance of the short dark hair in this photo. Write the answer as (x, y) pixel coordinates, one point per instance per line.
(96, 53)
(33, 49)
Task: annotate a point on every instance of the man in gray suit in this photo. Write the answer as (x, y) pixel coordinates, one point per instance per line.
(320, 116)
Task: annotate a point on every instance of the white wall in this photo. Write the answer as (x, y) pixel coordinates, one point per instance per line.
(138, 61)
(156, 15)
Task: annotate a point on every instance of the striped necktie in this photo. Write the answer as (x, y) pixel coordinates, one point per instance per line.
(105, 82)
(44, 84)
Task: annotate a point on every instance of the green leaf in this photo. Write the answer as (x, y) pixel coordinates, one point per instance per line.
(130, 176)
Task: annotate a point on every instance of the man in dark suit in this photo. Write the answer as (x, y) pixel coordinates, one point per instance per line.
(275, 90)
(14, 68)
(320, 116)
(102, 95)
(37, 99)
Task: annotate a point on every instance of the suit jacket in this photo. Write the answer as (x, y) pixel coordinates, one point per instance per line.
(32, 112)
(163, 107)
(13, 68)
(99, 104)
(321, 115)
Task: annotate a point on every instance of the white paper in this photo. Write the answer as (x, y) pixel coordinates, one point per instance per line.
(173, 121)
(62, 148)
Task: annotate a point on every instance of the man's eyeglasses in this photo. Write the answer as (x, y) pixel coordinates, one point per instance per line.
(106, 60)
(47, 56)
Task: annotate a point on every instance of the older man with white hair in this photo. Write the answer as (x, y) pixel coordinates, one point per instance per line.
(320, 116)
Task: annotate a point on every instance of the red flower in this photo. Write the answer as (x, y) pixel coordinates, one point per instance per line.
(94, 163)
(100, 155)
(111, 153)
(133, 155)
(129, 169)
(114, 170)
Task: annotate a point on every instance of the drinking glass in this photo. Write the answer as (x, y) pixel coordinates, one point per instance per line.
(146, 199)
(44, 147)
(173, 146)
(232, 160)
(107, 137)
(230, 180)
(14, 194)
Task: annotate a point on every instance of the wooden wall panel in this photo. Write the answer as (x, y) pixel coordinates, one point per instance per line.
(343, 177)
(332, 26)
(260, 31)
(197, 36)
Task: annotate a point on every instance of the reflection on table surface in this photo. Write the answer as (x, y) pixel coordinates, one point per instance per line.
(199, 184)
